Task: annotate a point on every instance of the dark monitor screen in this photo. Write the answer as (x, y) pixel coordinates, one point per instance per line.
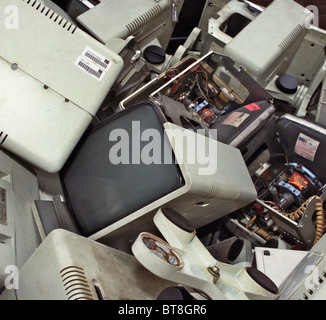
(100, 192)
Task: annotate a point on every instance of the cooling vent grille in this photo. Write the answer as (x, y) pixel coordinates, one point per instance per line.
(291, 37)
(75, 284)
(3, 137)
(42, 9)
(227, 193)
(137, 23)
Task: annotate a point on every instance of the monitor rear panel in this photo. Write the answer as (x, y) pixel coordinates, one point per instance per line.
(71, 267)
(56, 77)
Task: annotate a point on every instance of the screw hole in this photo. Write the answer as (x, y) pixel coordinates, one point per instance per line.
(14, 66)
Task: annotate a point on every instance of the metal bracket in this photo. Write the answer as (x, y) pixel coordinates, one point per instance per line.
(303, 232)
(178, 113)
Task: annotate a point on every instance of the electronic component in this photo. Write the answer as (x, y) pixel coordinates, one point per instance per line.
(148, 20)
(277, 53)
(128, 191)
(197, 89)
(293, 185)
(291, 190)
(278, 46)
(304, 142)
(208, 87)
(57, 76)
(18, 234)
(237, 128)
(289, 204)
(71, 267)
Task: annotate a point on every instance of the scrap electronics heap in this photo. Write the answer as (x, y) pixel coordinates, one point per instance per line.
(130, 172)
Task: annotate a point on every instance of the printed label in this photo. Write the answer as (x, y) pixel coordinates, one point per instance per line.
(98, 59)
(236, 119)
(253, 107)
(3, 206)
(90, 68)
(306, 147)
(92, 62)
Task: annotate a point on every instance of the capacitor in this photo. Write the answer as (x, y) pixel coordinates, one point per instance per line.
(221, 100)
(207, 115)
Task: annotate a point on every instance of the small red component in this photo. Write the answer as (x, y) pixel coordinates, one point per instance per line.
(297, 247)
(207, 115)
(259, 209)
(298, 181)
(253, 107)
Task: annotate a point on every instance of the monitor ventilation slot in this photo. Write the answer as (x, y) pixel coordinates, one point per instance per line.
(137, 23)
(3, 138)
(224, 192)
(41, 8)
(291, 37)
(75, 284)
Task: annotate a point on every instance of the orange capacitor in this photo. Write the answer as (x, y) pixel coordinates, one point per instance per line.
(298, 181)
(207, 115)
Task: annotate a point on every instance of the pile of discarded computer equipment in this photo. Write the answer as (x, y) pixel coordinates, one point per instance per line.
(130, 173)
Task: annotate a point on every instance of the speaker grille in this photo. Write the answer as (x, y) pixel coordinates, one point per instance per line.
(137, 23)
(291, 37)
(42, 9)
(226, 193)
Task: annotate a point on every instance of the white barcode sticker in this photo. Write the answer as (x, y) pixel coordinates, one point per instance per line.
(97, 58)
(90, 68)
(92, 62)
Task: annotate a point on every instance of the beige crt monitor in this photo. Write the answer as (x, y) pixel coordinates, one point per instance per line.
(216, 183)
(145, 20)
(268, 44)
(54, 79)
(67, 266)
(19, 236)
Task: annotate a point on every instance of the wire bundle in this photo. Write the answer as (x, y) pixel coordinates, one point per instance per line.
(297, 215)
(264, 234)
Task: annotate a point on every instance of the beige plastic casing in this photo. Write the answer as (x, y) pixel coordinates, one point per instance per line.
(47, 101)
(67, 266)
(212, 188)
